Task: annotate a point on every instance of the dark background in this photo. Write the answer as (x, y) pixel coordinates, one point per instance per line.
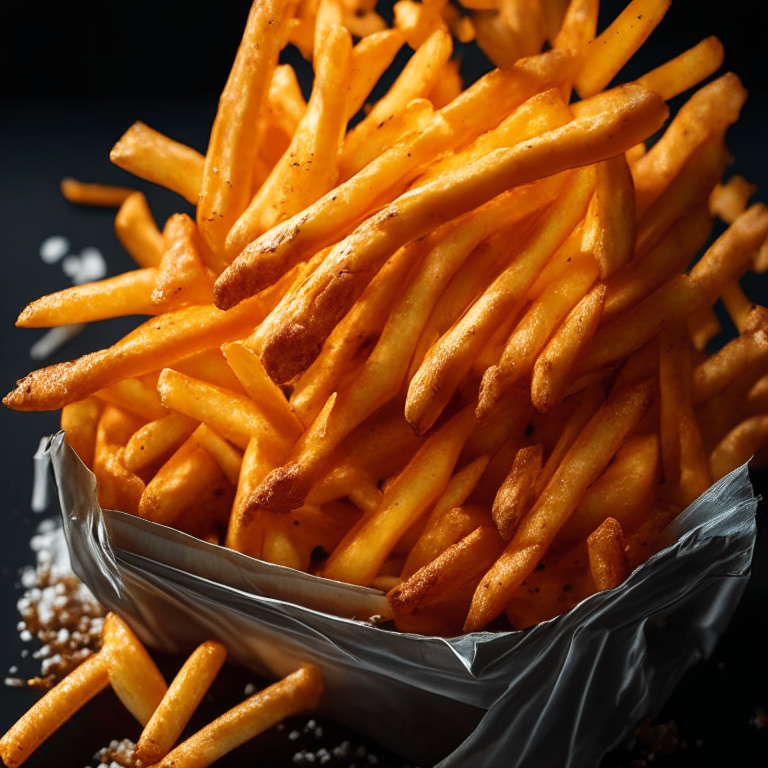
(75, 75)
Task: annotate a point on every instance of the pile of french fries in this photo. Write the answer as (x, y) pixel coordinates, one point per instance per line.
(455, 352)
(163, 711)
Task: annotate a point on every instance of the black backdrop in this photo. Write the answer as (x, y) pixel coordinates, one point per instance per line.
(74, 76)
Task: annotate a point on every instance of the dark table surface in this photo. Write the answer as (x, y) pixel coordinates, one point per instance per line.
(50, 128)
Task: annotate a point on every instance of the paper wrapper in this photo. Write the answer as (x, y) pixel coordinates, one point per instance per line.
(561, 693)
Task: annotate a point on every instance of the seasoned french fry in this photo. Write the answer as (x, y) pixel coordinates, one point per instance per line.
(134, 396)
(133, 675)
(180, 701)
(294, 694)
(583, 464)
(611, 50)
(228, 457)
(515, 496)
(607, 560)
(136, 230)
(80, 421)
(156, 440)
(126, 294)
(54, 709)
(94, 194)
(579, 26)
(148, 154)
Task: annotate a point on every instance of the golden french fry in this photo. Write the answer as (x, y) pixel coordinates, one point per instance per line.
(515, 496)
(133, 675)
(582, 465)
(156, 440)
(54, 709)
(737, 305)
(553, 372)
(686, 70)
(294, 694)
(611, 50)
(607, 559)
(180, 701)
(417, 21)
(94, 194)
(126, 294)
(228, 457)
(148, 154)
(516, 30)
(738, 446)
(579, 26)
(134, 396)
(671, 396)
(80, 421)
(449, 86)
(703, 326)
(642, 543)
(229, 162)
(136, 230)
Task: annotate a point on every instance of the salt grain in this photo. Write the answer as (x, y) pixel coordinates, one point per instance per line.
(249, 690)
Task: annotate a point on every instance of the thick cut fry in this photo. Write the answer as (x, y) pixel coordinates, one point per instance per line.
(609, 230)
(607, 559)
(182, 698)
(156, 440)
(450, 359)
(133, 675)
(359, 556)
(296, 693)
(157, 343)
(515, 496)
(553, 372)
(686, 70)
(738, 446)
(235, 417)
(611, 50)
(149, 155)
(182, 277)
(266, 259)
(710, 110)
(532, 333)
(126, 294)
(54, 709)
(229, 162)
(583, 464)
(79, 422)
(136, 230)
(309, 167)
(637, 280)
(94, 194)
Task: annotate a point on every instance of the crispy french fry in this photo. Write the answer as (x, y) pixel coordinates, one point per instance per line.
(54, 709)
(671, 386)
(587, 458)
(579, 26)
(227, 174)
(180, 701)
(94, 194)
(80, 421)
(515, 496)
(738, 446)
(728, 201)
(136, 230)
(611, 50)
(607, 559)
(148, 154)
(133, 675)
(228, 457)
(359, 556)
(641, 544)
(134, 396)
(737, 304)
(417, 21)
(294, 694)
(449, 86)
(156, 440)
(703, 326)
(126, 294)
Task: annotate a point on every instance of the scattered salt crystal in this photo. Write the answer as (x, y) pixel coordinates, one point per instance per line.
(361, 751)
(13, 670)
(293, 735)
(25, 635)
(54, 248)
(318, 732)
(15, 682)
(310, 726)
(298, 757)
(323, 755)
(342, 750)
(249, 690)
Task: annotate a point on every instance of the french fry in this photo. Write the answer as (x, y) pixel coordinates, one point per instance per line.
(641, 544)
(449, 85)
(136, 230)
(554, 367)
(309, 167)
(227, 174)
(417, 21)
(607, 560)
(228, 457)
(671, 386)
(450, 359)
(105, 195)
(515, 496)
(266, 259)
(134, 396)
(611, 50)
(54, 709)
(703, 326)
(126, 294)
(148, 154)
(156, 440)
(737, 304)
(296, 693)
(579, 26)
(360, 554)
(686, 70)
(728, 201)
(180, 701)
(133, 675)
(582, 465)
(738, 446)
(80, 421)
